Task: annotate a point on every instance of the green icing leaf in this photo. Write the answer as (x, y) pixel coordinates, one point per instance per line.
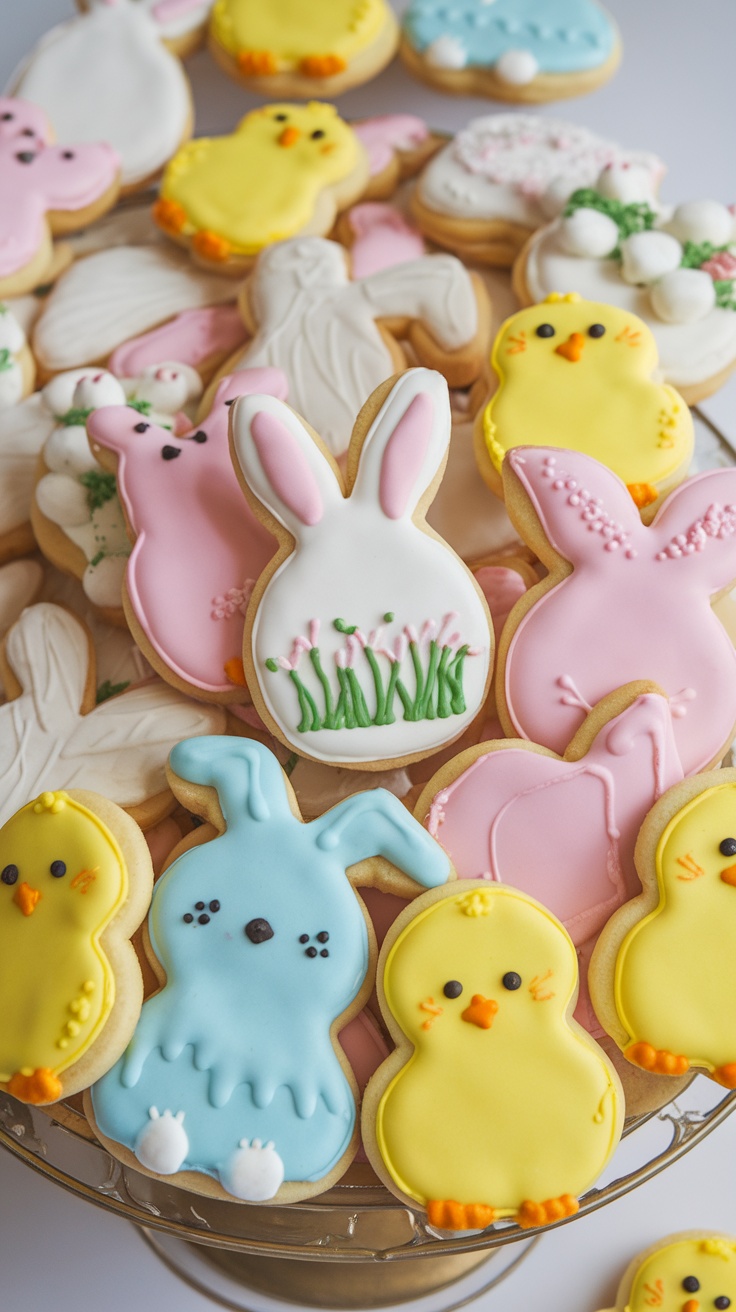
(635, 217)
(73, 418)
(342, 627)
(101, 487)
(695, 253)
(108, 689)
(6, 360)
(143, 407)
(725, 294)
(272, 665)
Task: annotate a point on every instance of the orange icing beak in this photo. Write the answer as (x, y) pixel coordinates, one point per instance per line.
(572, 349)
(480, 1012)
(729, 876)
(289, 137)
(26, 898)
(692, 1305)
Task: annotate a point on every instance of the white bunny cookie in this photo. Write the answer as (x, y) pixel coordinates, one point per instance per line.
(367, 641)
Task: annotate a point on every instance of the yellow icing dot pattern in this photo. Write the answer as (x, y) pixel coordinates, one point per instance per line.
(292, 31)
(578, 375)
(658, 1283)
(505, 1104)
(56, 983)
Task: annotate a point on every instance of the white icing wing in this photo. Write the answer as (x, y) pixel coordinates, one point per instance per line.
(118, 658)
(437, 289)
(23, 431)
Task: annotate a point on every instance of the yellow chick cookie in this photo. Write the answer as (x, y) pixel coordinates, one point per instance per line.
(664, 971)
(580, 375)
(75, 882)
(293, 48)
(690, 1272)
(496, 1103)
(285, 170)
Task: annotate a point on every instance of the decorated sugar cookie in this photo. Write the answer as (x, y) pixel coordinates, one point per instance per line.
(662, 974)
(505, 175)
(118, 662)
(256, 1103)
(199, 549)
(51, 730)
(290, 49)
(333, 337)
(520, 50)
(397, 145)
(23, 430)
(496, 1103)
(201, 338)
(309, 164)
(46, 190)
(75, 883)
(622, 601)
(581, 375)
(379, 237)
(181, 24)
(105, 75)
(367, 641)
(682, 1273)
(20, 584)
(17, 367)
(676, 270)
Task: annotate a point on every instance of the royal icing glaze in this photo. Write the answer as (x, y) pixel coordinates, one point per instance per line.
(297, 152)
(388, 134)
(23, 429)
(20, 583)
(320, 327)
(12, 342)
(107, 298)
(667, 1275)
(382, 238)
(120, 746)
(580, 375)
(194, 337)
(195, 538)
(510, 166)
(285, 929)
(503, 1106)
(129, 90)
(356, 662)
(318, 40)
(118, 662)
(645, 594)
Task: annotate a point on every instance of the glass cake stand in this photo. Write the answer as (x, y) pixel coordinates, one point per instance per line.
(355, 1246)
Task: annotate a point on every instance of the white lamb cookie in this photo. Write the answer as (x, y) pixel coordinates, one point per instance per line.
(254, 1173)
(163, 1143)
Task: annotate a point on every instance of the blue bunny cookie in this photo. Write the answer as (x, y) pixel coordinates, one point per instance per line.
(233, 1082)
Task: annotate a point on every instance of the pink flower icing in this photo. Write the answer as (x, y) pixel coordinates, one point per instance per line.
(721, 266)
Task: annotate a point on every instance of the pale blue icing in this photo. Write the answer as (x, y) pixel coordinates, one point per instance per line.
(239, 1037)
(565, 36)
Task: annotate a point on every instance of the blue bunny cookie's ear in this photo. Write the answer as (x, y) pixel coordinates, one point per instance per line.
(376, 823)
(247, 777)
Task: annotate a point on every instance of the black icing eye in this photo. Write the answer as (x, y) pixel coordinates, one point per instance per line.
(7, 117)
(596, 330)
(691, 1284)
(200, 436)
(258, 930)
(67, 154)
(25, 157)
(169, 452)
(727, 847)
(511, 980)
(722, 1302)
(10, 874)
(318, 134)
(141, 428)
(57, 868)
(545, 330)
(281, 118)
(453, 988)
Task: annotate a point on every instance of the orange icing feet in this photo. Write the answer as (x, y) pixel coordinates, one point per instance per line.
(532, 1214)
(209, 246)
(322, 65)
(725, 1075)
(444, 1214)
(656, 1060)
(235, 672)
(169, 215)
(257, 63)
(41, 1086)
(642, 494)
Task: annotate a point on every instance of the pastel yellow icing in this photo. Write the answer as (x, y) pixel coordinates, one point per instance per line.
(520, 1105)
(261, 183)
(597, 398)
(675, 976)
(56, 983)
(658, 1281)
(296, 29)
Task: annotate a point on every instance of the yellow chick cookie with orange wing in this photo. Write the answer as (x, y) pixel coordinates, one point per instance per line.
(664, 971)
(496, 1102)
(75, 883)
(286, 170)
(293, 48)
(694, 1271)
(580, 375)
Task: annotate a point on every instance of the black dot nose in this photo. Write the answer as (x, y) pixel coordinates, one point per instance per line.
(25, 157)
(258, 930)
(169, 452)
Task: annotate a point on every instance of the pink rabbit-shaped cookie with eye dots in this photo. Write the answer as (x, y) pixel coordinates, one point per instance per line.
(367, 640)
(44, 189)
(623, 601)
(198, 548)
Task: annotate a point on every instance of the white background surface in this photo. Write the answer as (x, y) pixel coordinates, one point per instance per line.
(674, 94)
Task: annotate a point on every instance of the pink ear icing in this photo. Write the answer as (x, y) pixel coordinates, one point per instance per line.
(404, 455)
(382, 136)
(246, 382)
(286, 467)
(383, 238)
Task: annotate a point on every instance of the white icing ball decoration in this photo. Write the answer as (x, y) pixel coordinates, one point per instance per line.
(556, 197)
(167, 386)
(628, 183)
(647, 256)
(703, 220)
(516, 67)
(254, 1173)
(588, 234)
(11, 385)
(96, 389)
(446, 52)
(163, 1143)
(12, 337)
(683, 296)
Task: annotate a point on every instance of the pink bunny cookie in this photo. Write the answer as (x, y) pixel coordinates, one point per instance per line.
(201, 338)
(622, 601)
(398, 145)
(44, 189)
(367, 640)
(379, 237)
(198, 549)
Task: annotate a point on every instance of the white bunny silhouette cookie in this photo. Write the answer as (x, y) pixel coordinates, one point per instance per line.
(336, 340)
(367, 641)
(53, 734)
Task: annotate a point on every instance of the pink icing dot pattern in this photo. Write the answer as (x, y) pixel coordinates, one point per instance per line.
(592, 512)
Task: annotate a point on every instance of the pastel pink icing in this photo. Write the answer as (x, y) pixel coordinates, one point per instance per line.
(286, 467)
(36, 178)
(191, 338)
(637, 604)
(405, 453)
(384, 135)
(198, 547)
(383, 239)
